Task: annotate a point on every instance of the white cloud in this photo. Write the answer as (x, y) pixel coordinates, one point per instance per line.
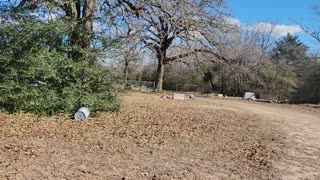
(233, 21)
(278, 30)
(282, 30)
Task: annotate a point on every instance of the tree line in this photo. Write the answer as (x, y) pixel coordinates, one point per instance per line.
(283, 71)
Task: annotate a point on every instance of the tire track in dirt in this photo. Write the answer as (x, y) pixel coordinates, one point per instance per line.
(301, 146)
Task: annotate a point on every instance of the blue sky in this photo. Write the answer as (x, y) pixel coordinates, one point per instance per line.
(288, 14)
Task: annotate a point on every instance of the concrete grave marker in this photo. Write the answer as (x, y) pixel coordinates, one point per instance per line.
(178, 96)
(249, 96)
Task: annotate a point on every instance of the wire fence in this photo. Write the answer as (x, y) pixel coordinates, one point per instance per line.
(143, 85)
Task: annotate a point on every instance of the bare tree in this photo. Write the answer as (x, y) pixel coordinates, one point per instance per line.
(164, 24)
(263, 36)
(244, 56)
(128, 54)
(313, 32)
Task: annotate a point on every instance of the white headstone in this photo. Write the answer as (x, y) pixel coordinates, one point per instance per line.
(249, 95)
(178, 96)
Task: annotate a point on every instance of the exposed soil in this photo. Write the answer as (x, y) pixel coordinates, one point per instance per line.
(301, 129)
(153, 138)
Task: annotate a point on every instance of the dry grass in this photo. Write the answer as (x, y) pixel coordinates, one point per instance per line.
(151, 138)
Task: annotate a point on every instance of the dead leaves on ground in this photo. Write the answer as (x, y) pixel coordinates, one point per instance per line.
(149, 137)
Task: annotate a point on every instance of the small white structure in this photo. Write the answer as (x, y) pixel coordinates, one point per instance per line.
(178, 96)
(220, 95)
(82, 114)
(249, 96)
(143, 88)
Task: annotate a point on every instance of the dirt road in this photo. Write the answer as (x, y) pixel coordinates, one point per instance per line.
(301, 128)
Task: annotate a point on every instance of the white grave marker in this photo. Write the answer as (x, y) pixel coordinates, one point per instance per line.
(178, 96)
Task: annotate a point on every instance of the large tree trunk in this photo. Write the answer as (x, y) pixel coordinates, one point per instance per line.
(126, 69)
(222, 86)
(82, 15)
(160, 71)
(88, 14)
(212, 85)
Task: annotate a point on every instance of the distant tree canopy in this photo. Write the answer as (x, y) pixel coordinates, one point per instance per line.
(290, 51)
(291, 57)
(284, 72)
